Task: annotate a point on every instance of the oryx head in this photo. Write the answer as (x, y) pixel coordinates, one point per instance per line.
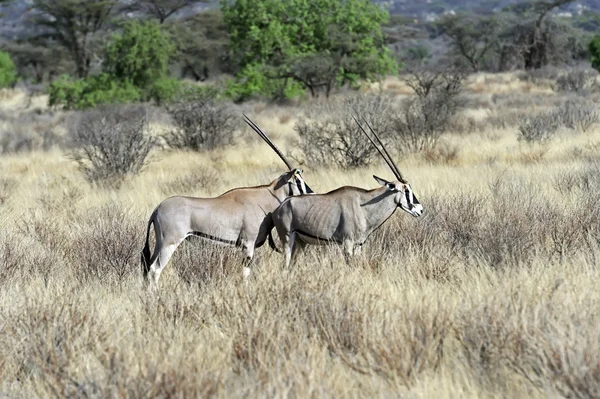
(296, 183)
(404, 196)
(292, 179)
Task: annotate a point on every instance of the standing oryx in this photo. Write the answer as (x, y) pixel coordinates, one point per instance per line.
(236, 217)
(345, 216)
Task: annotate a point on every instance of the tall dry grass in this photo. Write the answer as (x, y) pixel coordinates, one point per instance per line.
(492, 293)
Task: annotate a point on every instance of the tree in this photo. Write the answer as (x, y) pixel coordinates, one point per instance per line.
(474, 38)
(135, 68)
(318, 44)
(139, 55)
(160, 9)
(534, 36)
(8, 72)
(201, 43)
(73, 23)
(594, 49)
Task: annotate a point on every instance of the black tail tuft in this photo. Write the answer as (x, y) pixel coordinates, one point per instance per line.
(145, 255)
(272, 243)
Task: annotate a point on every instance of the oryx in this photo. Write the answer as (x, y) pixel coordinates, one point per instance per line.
(347, 215)
(235, 218)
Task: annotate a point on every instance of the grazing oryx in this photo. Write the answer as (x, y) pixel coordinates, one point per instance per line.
(236, 217)
(346, 216)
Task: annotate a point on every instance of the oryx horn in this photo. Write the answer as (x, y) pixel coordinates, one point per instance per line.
(386, 157)
(266, 138)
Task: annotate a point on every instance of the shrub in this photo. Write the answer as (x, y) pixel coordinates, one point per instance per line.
(139, 55)
(577, 80)
(29, 131)
(252, 81)
(112, 143)
(423, 119)
(201, 122)
(8, 71)
(540, 127)
(91, 92)
(330, 136)
(106, 247)
(578, 114)
(165, 90)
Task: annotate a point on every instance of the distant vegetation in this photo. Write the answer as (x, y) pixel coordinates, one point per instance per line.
(280, 50)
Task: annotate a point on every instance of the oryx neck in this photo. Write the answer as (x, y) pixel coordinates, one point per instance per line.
(378, 205)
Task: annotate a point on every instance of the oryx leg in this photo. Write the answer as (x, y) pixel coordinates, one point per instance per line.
(164, 255)
(348, 249)
(299, 247)
(288, 241)
(248, 248)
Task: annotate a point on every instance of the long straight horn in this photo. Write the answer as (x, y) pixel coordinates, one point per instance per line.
(391, 161)
(385, 158)
(266, 138)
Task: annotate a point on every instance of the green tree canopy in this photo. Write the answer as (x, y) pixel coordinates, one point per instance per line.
(317, 44)
(140, 54)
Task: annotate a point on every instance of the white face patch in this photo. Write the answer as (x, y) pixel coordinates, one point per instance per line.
(409, 202)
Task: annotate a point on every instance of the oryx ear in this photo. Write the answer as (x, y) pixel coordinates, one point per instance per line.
(381, 181)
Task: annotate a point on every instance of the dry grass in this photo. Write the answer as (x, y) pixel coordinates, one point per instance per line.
(493, 293)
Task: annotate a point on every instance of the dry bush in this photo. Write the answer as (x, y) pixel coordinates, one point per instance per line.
(201, 122)
(580, 114)
(423, 119)
(21, 259)
(191, 183)
(106, 246)
(586, 178)
(330, 136)
(539, 128)
(111, 143)
(578, 80)
(30, 131)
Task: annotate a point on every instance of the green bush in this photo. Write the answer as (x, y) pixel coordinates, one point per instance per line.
(8, 72)
(91, 92)
(594, 49)
(140, 54)
(165, 90)
(135, 69)
(253, 81)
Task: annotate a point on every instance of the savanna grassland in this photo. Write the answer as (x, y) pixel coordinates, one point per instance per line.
(492, 293)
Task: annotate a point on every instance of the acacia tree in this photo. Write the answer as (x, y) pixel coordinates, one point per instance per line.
(318, 44)
(73, 23)
(160, 9)
(474, 38)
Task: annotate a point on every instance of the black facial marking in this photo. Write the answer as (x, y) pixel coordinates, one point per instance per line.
(410, 205)
(299, 185)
